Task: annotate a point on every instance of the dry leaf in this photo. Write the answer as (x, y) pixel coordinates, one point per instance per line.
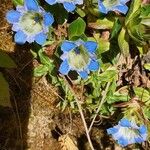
(67, 143)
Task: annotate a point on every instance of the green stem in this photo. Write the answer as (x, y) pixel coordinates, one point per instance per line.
(100, 106)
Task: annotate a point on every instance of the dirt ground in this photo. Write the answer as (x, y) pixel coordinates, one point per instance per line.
(34, 122)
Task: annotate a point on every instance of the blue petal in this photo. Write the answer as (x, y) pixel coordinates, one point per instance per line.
(90, 46)
(121, 8)
(69, 6)
(83, 74)
(125, 122)
(31, 5)
(123, 142)
(64, 67)
(20, 37)
(48, 19)
(112, 130)
(124, 1)
(40, 38)
(13, 16)
(51, 2)
(139, 140)
(93, 66)
(143, 129)
(102, 8)
(67, 46)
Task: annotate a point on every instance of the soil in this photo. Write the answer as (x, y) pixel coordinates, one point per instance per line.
(34, 122)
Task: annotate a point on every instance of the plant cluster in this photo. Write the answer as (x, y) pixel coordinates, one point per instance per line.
(82, 47)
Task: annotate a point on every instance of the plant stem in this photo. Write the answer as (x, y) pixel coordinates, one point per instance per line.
(100, 106)
(81, 112)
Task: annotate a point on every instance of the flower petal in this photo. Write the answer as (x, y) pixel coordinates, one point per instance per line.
(102, 8)
(124, 1)
(20, 9)
(48, 19)
(112, 130)
(125, 122)
(30, 39)
(91, 46)
(51, 2)
(93, 66)
(13, 16)
(64, 67)
(41, 38)
(64, 56)
(69, 6)
(16, 27)
(139, 140)
(142, 129)
(83, 74)
(67, 46)
(20, 37)
(31, 5)
(121, 8)
(79, 2)
(123, 142)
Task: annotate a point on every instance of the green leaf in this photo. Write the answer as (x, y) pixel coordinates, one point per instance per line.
(142, 93)
(103, 45)
(76, 28)
(34, 54)
(135, 29)
(40, 70)
(6, 61)
(102, 24)
(80, 12)
(147, 112)
(147, 66)
(135, 5)
(117, 97)
(116, 28)
(18, 2)
(145, 10)
(4, 92)
(45, 60)
(146, 21)
(109, 75)
(123, 42)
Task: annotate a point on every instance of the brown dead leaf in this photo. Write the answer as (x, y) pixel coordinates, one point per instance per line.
(67, 143)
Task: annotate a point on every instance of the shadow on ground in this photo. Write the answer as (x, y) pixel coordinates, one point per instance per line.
(14, 122)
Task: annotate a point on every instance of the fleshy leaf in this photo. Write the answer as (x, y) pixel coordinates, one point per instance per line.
(4, 92)
(76, 28)
(123, 42)
(6, 61)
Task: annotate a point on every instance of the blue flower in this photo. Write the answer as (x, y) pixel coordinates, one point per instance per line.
(79, 56)
(127, 132)
(69, 5)
(113, 5)
(30, 22)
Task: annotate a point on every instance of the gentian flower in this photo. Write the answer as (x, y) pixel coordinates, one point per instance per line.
(113, 5)
(127, 132)
(69, 5)
(79, 56)
(30, 22)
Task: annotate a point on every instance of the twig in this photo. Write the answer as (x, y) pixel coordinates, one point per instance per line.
(100, 105)
(18, 118)
(81, 113)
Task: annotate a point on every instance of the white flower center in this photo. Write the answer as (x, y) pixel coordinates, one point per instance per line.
(110, 3)
(31, 23)
(78, 58)
(129, 133)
